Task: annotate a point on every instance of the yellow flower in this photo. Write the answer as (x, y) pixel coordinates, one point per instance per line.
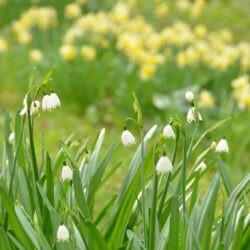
(72, 11)
(240, 82)
(147, 71)
(68, 52)
(81, 2)
(200, 31)
(88, 53)
(206, 99)
(3, 45)
(36, 56)
(161, 10)
(24, 37)
(183, 5)
(241, 93)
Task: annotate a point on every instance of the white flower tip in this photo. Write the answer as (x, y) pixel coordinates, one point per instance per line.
(164, 165)
(67, 173)
(102, 133)
(202, 166)
(189, 95)
(191, 116)
(151, 132)
(50, 102)
(222, 146)
(127, 138)
(168, 132)
(11, 138)
(62, 233)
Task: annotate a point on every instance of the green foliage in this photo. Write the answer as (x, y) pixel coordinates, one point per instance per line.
(150, 211)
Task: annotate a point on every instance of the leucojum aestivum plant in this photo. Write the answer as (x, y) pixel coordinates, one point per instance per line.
(50, 203)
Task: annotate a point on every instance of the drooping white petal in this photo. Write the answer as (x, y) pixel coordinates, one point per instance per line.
(168, 131)
(11, 138)
(164, 165)
(56, 99)
(222, 146)
(191, 115)
(67, 173)
(62, 233)
(127, 138)
(48, 103)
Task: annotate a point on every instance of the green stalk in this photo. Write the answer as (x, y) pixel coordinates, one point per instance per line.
(15, 159)
(153, 214)
(33, 158)
(13, 170)
(143, 190)
(164, 194)
(32, 148)
(184, 170)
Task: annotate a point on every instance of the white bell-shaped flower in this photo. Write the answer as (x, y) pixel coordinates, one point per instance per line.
(67, 173)
(164, 165)
(189, 95)
(48, 103)
(168, 132)
(222, 146)
(191, 116)
(127, 138)
(11, 138)
(34, 107)
(62, 233)
(56, 99)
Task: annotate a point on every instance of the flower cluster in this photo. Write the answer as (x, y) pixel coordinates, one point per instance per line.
(49, 102)
(150, 48)
(41, 18)
(164, 164)
(241, 93)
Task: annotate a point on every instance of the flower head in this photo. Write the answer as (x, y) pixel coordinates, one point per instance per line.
(56, 99)
(62, 233)
(11, 138)
(222, 146)
(191, 116)
(127, 138)
(189, 95)
(35, 56)
(48, 103)
(34, 107)
(67, 173)
(168, 132)
(164, 165)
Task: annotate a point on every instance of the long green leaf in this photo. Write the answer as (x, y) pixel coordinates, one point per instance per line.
(14, 221)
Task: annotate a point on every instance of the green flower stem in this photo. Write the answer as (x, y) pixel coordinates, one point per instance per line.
(13, 170)
(184, 170)
(15, 158)
(33, 157)
(32, 148)
(153, 214)
(164, 194)
(143, 190)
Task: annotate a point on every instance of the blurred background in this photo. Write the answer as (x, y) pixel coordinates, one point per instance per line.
(102, 51)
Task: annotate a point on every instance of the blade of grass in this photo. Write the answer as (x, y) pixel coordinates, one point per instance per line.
(14, 222)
